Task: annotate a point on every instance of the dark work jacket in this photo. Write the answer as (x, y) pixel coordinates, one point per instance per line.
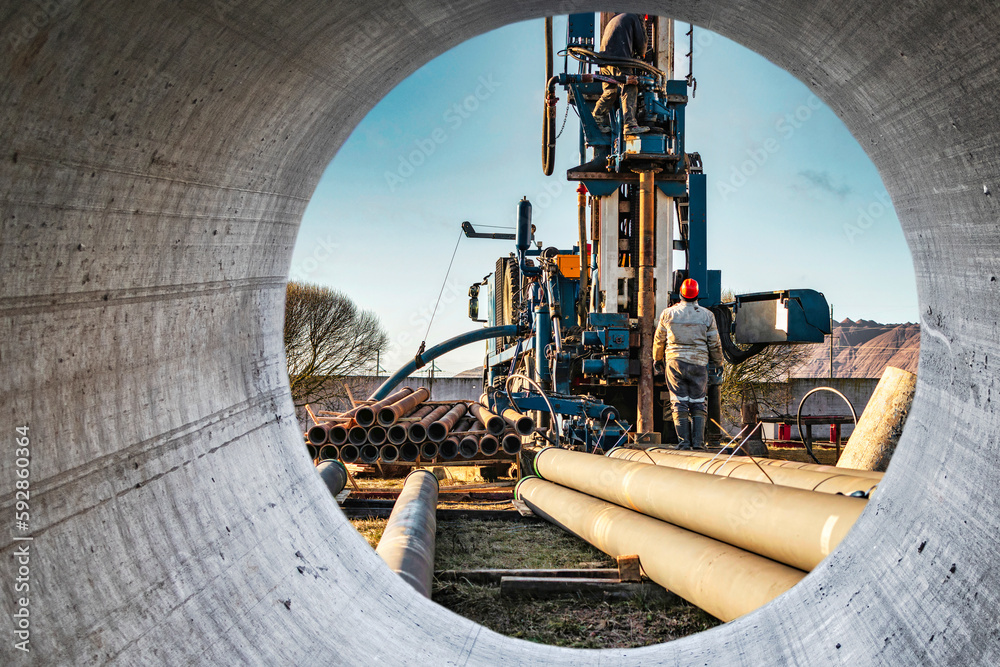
(624, 37)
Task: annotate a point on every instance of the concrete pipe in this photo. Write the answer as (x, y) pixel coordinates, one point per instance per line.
(377, 435)
(468, 447)
(489, 445)
(792, 526)
(368, 453)
(357, 435)
(492, 422)
(349, 453)
(511, 443)
(523, 424)
(388, 415)
(338, 434)
(851, 472)
(329, 452)
(409, 451)
(366, 415)
(334, 475)
(791, 477)
(407, 544)
(429, 450)
(388, 453)
(210, 124)
(440, 429)
(724, 580)
(318, 434)
(417, 431)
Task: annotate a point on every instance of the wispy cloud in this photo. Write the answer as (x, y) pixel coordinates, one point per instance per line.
(822, 181)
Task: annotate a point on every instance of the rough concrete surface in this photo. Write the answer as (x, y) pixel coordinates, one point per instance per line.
(156, 159)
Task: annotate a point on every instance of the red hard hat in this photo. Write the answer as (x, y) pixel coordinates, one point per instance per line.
(689, 289)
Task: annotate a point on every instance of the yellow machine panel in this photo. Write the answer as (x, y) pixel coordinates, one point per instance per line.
(569, 265)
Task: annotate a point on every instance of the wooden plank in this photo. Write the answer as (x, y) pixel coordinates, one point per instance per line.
(522, 508)
(579, 587)
(628, 568)
(493, 576)
(352, 512)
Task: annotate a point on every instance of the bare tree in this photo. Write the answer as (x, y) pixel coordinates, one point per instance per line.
(327, 337)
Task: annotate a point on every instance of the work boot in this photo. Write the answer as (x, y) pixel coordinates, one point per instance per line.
(683, 427)
(698, 430)
(636, 129)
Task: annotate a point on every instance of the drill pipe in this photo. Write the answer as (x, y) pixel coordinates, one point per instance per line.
(365, 416)
(388, 453)
(369, 453)
(397, 432)
(417, 431)
(793, 477)
(376, 435)
(337, 434)
(319, 434)
(357, 435)
(312, 451)
(792, 526)
(429, 449)
(329, 452)
(390, 414)
(440, 429)
(407, 544)
(493, 423)
(489, 445)
(468, 447)
(511, 443)
(409, 451)
(724, 580)
(522, 423)
(334, 475)
(837, 470)
(349, 453)
(448, 450)
(450, 446)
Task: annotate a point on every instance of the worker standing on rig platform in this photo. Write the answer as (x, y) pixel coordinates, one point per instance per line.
(686, 340)
(624, 37)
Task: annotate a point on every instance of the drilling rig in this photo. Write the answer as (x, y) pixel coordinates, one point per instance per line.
(570, 331)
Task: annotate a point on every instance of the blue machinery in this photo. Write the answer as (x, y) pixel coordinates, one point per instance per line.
(577, 347)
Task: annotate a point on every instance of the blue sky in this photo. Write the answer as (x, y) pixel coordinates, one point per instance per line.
(793, 201)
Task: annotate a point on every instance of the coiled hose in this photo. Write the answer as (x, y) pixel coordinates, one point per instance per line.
(733, 353)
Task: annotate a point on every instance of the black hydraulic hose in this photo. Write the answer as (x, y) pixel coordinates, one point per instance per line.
(549, 110)
(733, 353)
(586, 55)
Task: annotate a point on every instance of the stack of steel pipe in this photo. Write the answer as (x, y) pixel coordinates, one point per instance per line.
(727, 545)
(406, 427)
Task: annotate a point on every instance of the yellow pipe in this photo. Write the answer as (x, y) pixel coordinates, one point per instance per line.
(851, 472)
(725, 581)
(811, 480)
(796, 527)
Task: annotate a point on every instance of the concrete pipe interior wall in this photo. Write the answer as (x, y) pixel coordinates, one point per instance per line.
(157, 157)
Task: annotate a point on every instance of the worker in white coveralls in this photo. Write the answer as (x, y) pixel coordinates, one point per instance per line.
(686, 340)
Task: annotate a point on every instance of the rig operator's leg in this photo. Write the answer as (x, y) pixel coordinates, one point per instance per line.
(698, 402)
(678, 378)
(630, 100)
(606, 103)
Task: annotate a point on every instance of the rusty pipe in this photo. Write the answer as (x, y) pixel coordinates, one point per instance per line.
(523, 424)
(511, 443)
(468, 447)
(440, 429)
(388, 453)
(358, 435)
(334, 475)
(407, 544)
(338, 434)
(489, 445)
(409, 451)
(329, 452)
(397, 433)
(429, 449)
(493, 423)
(319, 434)
(391, 413)
(724, 580)
(366, 414)
(349, 453)
(792, 526)
(799, 479)
(377, 435)
(449, 447)
(417, 431)
(313, 452)
(368, 453)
